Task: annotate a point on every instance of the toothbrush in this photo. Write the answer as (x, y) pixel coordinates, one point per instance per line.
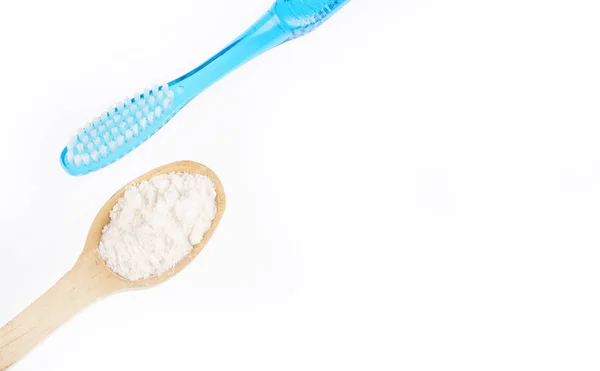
(131, 122)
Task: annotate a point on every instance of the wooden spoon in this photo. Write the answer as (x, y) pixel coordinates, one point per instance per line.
(90, 278)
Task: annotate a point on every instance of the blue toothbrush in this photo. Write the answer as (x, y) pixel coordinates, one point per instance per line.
(128, 124)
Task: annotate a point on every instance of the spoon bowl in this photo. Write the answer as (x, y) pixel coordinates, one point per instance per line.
(90, 278)
(93, 240)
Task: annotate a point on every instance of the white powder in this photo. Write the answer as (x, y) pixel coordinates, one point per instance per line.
(156, 223)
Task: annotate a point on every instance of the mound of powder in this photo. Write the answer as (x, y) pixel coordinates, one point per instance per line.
(156, 224)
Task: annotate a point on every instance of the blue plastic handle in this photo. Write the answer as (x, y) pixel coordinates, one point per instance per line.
(285, 21)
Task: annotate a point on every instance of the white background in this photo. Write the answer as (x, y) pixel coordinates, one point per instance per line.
(413, 186)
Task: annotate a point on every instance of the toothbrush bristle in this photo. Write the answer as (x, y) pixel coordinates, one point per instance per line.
(119, 130)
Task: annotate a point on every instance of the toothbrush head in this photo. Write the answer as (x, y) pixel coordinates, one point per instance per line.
(119, 130)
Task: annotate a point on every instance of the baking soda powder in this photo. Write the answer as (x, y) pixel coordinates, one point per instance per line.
(156, 224)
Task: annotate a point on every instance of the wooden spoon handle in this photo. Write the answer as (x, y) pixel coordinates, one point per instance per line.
(85, 283)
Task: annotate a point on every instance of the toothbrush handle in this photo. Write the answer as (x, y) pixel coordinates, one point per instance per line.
(302, 16)
(286, 20)
(85, 283)
(265, 34)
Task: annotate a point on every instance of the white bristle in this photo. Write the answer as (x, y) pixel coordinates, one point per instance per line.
(72, 142)
(80, 133)
(90, 146)
(77, 160)
(138, 115)
(94, 133)
(80, 148)
(152, 100)
(85, 139)
(136, 130)
(160, 95)
(146, 93)
(95, 156)
(112, 145)
(126, 112)
(154, 88)
(88, 127)
(117, 118)
(103, 151)
(120, 140)
(130, 120)
(171, 94)
(166, 103)
(109, 123)
(158, 112)
(70, 157)
(143, 123)
(165, 87)
(133, 107)
(146, 110)
(114, 131)
(122, 125)
(96, 122)
(128, 135)
(106, 137)
(102, 128)
(86, 159)
(150, 118)
(127, 101)
(137, 96)
(97, 142)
